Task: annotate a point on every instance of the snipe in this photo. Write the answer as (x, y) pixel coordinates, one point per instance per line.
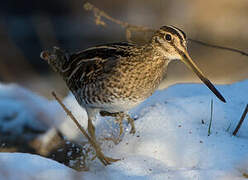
(113, 78)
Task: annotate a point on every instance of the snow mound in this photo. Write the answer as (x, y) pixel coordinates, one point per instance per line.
(23, 113)
(23, 166)
(171, 141)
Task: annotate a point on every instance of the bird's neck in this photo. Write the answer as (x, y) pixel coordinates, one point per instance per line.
(156, 57)
(155, 66)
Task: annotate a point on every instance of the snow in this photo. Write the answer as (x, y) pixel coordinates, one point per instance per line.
(171, 140)
(23, 166)
(20, 109)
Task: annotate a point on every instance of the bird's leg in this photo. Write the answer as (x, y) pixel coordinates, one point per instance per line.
(99, 154)
(119, 119)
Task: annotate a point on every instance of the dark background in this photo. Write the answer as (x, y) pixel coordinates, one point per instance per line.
(27, 27)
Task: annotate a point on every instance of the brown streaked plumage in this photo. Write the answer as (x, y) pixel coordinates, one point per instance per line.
(114, 78)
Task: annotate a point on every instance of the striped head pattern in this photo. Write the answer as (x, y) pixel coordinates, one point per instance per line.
(171, 42)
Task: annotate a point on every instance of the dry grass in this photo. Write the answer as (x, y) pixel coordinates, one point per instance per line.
(211, 117)
(241, 121)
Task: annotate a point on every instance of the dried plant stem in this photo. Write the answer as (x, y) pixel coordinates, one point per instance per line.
(98, 13)
(241, 121)
(71, 116)
(91, 141)
(211, 118)
(129, 27)
(218, 47)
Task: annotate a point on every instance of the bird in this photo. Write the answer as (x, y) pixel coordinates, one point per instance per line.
(113, 78)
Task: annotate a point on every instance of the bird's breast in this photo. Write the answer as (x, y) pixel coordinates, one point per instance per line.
(111, 101)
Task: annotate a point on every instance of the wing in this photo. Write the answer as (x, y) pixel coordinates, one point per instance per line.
(103, 51)
(94, 64)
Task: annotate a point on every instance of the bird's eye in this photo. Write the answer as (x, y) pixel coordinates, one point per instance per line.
(168, 37)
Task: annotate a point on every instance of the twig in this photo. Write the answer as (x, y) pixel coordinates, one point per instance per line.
(99, 13)
(72, 117)
(241, 121)
(218, 47)
(130, 27)
(211, 118)
(90, 140)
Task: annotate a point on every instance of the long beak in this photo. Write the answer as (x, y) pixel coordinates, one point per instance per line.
(190, 63)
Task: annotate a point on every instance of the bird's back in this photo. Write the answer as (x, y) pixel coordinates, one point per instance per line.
(97, 75)
(95, 64)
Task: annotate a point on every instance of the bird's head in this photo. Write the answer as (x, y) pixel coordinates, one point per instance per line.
(172, 44)
(56, 58)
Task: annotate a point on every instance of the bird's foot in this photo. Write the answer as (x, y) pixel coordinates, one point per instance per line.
(104, 159)
(119, 118)
(92, 139)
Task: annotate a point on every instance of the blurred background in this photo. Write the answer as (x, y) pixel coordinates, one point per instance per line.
(28, 27)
